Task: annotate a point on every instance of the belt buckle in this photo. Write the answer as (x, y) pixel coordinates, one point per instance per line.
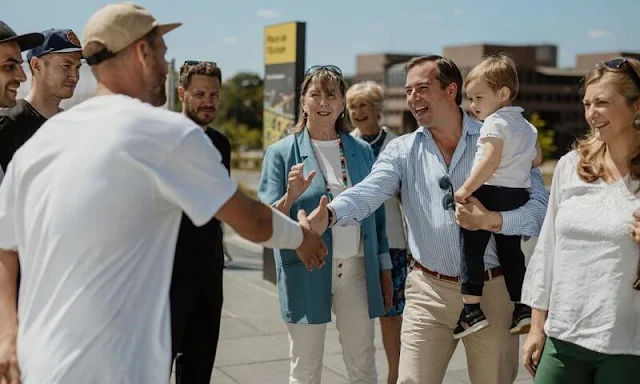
(438, 276)
(490, 274)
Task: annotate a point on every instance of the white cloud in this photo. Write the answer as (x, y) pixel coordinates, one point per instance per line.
(378, 27)
(268, 13)
(599, 33)
(457, 11)
(229, 40)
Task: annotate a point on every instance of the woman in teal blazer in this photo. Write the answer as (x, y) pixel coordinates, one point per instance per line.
(320, 159)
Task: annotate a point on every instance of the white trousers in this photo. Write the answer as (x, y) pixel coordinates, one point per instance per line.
(356, 330)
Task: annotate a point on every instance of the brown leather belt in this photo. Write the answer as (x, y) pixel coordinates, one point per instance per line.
(489, 274)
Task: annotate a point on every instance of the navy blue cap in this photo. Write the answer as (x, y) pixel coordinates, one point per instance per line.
(56, 41)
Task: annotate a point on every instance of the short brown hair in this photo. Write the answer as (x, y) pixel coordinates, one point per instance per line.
(203, 69)
(447, 72)
(497, 71)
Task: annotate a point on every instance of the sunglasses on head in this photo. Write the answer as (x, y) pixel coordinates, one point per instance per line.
(317, 68)
(621, 62)
(190, 63)
(447, 200)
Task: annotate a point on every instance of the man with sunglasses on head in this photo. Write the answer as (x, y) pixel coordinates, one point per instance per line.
(93, 203)
(54, 66)
(425, 167)
(11, 72)
(196, 285)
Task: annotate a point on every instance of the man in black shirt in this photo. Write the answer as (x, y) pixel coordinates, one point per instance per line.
(196, 287)
(11, 73)
(55, 67)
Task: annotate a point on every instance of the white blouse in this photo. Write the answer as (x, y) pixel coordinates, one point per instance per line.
(347, 241)
(585, 262)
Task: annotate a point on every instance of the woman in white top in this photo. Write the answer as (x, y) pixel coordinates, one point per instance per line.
(586, 313)
(364, 102)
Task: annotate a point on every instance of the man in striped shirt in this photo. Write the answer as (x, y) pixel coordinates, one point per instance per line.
(425, 167)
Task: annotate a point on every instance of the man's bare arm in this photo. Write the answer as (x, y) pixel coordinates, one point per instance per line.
(8, 316)
(249, 218)
(8, 287)
(255, 222)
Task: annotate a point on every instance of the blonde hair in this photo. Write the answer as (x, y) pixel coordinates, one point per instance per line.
(590, 150)
(327, 81)
(497, 71)
(367, 91)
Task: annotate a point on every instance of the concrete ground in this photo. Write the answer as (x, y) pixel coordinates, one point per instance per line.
(253, 347)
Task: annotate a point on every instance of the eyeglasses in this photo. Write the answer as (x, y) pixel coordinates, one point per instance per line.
(619, 63)
(317, 68)
(190, 63)
(447, 200)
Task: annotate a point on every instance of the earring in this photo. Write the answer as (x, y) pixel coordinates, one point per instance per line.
(342, 115)
(636, 122)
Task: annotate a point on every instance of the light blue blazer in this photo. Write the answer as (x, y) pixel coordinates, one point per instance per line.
(305, 297)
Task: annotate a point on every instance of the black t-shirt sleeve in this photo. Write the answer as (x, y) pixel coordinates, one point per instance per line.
(17, 125)
(7, 140)
(223, 145)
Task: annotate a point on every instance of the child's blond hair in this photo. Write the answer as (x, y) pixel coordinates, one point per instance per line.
(497, 71)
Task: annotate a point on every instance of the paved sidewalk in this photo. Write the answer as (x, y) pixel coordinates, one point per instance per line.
(253, 347)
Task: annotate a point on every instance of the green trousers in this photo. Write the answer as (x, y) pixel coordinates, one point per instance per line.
(566, 363)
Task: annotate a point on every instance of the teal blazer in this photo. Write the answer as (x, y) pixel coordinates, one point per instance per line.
(305, 297)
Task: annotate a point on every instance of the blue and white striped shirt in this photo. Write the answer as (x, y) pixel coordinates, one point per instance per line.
(412, 165)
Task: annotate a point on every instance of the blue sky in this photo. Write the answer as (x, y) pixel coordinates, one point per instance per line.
(231, 32)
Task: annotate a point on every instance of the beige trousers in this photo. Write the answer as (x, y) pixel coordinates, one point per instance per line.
(431, 311)
(355, 329)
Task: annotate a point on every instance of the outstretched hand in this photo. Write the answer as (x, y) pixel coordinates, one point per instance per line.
(312, 251)
(297, 184)
(319, 217)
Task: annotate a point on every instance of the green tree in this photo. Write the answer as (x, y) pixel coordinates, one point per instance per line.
(242, 100)
(546, 136)
(240, 113)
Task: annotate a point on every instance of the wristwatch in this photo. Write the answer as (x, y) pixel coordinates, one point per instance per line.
(330, 212)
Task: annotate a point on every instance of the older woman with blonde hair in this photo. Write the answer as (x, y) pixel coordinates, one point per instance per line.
(581, 279)
(364, 102)
(318, 161)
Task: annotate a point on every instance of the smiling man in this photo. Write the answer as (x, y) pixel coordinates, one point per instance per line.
(55, 68)
(196, 286)
(11, 73)
(425, 167)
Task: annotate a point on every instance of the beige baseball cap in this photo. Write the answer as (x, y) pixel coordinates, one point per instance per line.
(116, 26)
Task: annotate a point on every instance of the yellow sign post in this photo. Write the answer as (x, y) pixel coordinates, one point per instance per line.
(284, 47)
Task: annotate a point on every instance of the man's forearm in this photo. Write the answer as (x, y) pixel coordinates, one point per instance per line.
(8, 294)
(494, 222)
(527, 220)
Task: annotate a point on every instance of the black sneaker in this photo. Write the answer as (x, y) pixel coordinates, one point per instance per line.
(521, 322)
(469, 323)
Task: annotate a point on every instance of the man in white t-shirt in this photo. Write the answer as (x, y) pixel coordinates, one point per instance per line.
(92, 204)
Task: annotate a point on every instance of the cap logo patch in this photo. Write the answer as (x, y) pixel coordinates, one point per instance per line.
(73, 39)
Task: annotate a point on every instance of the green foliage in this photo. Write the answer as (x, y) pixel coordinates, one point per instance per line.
(242, 100)
(546, 136)
(240, 135)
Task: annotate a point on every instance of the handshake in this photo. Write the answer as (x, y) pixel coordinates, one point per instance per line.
(312, 251)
